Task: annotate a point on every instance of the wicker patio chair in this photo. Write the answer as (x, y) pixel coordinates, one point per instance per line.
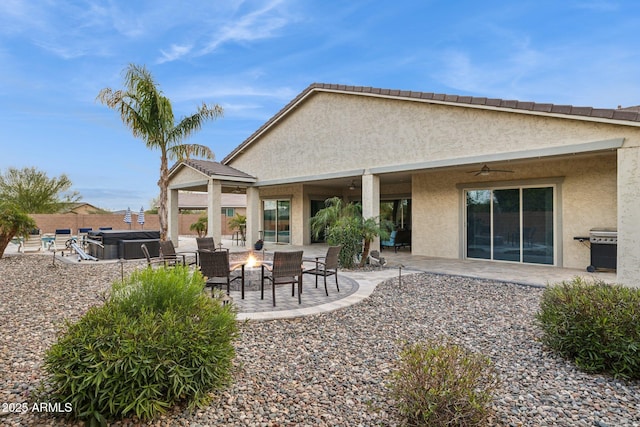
(215, 267)
(286, 268)
(325, 266)
(171, 257)
(150, 260)
(205, 243)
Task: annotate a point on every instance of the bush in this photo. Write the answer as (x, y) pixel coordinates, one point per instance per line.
(594, 324)
(156, 342)
(346, 232)
(442, 384)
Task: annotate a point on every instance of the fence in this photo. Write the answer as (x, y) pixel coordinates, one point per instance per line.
(48, 223)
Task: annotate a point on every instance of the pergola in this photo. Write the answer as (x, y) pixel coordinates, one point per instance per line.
(215, 179)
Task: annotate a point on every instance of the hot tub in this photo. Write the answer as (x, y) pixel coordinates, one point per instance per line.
(116, 244)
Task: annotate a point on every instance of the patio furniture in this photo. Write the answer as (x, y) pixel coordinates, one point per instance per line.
(82, 235)
(286, 268)
(32, 242)
(208, 244)
(215, 267)
(169, 254)
(325, 266)
(398, 239)
(60, 239)
(151, 260)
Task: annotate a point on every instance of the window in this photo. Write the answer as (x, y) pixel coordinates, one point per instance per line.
(511, 224)
(276, 223)
(397, 211)
(228, 212)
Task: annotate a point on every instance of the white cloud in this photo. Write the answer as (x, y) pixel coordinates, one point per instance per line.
(255, 25)
(175, 52)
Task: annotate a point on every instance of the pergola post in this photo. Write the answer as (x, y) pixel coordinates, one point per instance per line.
(253, 215)
(214, 210)
(371, 201)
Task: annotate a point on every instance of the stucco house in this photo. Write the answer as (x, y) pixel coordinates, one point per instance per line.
(480, 178)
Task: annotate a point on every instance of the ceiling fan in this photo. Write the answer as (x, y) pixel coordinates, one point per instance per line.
(353, 185)
(236, 190)
(486, 170)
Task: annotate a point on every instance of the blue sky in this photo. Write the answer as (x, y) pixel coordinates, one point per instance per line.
(253, 57)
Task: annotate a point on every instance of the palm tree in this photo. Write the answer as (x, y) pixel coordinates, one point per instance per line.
(344, 225)
(148, 113)
(239, 222)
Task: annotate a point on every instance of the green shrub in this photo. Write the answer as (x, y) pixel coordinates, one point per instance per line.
(441, 384)
(156, 342)
(594, 324)
(347, 233)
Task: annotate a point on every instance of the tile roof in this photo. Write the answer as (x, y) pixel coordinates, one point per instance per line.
(629, 114)
(211, 168)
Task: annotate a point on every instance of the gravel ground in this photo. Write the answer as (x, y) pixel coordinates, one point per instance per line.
(328, 369)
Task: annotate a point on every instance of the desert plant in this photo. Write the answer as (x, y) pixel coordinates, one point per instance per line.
(438, 383)
(200, 226)
(344, 225)
(148, 113)
(239, 222)
(156, 342)
(594, 324)
(13, 222)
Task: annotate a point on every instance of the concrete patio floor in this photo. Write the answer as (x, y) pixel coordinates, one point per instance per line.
(400, 263)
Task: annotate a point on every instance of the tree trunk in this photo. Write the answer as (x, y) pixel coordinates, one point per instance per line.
(5, 239)
(163, 183)
(365, 252)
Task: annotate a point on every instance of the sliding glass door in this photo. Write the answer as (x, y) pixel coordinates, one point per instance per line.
(510, 224)
(276, 221)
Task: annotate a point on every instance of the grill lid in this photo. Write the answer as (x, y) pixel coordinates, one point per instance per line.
(607, 236)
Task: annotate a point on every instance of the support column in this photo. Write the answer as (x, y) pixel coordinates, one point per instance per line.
(173, 222)
(628, 268)
(214, 210)
(253, 215)
(371, 201)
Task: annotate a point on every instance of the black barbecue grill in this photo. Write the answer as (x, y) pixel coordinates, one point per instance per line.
(603, 243)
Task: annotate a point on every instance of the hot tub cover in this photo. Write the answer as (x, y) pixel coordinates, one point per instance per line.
(113, 237)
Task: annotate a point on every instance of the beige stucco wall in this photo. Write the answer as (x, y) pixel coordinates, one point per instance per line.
(629, 216)
(187, 176)
(332, 133)
(587, 191)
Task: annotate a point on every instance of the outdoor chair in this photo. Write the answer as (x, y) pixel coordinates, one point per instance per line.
(62, 235)
(207, 243)
(32, 242)
(82, 236)
(150, 260)
(326, 266)
(171, 257)
(215, 267)
(286, 268)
